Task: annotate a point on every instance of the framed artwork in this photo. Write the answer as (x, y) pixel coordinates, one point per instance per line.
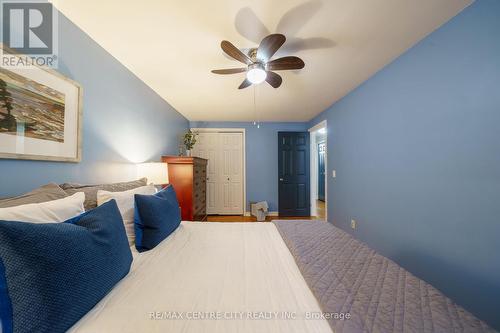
(40, 115)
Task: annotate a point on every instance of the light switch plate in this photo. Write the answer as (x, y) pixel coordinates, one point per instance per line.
(334, 174)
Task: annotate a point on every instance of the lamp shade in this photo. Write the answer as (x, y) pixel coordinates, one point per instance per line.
(156, 172)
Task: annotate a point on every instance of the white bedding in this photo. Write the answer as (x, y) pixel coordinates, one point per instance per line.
(237, 272)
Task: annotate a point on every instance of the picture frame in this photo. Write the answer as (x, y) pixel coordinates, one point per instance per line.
(40, 114)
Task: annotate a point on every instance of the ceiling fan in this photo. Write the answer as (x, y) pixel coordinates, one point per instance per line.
(259, 66)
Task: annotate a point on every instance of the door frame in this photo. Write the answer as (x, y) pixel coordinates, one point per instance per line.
(314, 169)
(232, 130)
(318, 144)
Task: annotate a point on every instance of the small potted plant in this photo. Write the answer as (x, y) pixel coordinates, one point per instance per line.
(189, 141)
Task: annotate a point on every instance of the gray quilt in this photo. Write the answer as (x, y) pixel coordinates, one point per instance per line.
(346, 276)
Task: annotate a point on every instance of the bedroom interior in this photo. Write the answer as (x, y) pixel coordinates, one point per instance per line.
(350, 148)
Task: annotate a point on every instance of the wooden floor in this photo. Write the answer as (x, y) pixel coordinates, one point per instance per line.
(241, 218)
(320, 210)
(319, 215)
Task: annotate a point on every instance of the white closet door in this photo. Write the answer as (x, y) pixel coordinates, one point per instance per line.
(231, 173)
(207, 147)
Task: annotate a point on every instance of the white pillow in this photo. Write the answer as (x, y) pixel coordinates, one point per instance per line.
(125, 202)
(58, 210)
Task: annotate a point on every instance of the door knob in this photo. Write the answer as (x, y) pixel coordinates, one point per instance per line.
(228, 179)
(281, 179)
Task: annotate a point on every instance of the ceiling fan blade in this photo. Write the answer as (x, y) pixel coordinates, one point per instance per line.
(285, 63)
(245, 84)
(234, 52)
(269, 45)
(273, 79)
(229, 71)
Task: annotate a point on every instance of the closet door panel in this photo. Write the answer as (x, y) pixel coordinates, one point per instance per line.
(232, 173)
(211, 198)
(207, 147)
(225, 174)
(237, 173)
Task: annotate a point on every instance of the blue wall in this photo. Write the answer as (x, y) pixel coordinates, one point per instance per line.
(417, 154)
(124, 121)
(261, 156)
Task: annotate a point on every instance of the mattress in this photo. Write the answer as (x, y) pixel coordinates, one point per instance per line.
(211, 277)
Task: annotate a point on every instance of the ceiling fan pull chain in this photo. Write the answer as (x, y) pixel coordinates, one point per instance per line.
(254, 108)
(257, 110)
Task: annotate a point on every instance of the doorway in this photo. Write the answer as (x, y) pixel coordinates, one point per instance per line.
(293, 174)
(319, 171)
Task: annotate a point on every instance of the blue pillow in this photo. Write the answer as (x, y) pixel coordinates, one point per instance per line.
(52, 274)
(156, 217)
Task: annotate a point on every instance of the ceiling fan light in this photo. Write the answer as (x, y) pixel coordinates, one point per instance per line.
(256, 75)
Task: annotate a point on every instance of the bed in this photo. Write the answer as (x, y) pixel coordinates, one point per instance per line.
(241, 272)
(286, 276)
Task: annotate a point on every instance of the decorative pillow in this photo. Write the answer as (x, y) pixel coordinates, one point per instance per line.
(52, 274)
(125, 202)
(91, 190)
(156, 217)
(50, 211)
(42, 194)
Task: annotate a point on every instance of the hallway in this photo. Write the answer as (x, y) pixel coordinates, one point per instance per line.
(320, 210)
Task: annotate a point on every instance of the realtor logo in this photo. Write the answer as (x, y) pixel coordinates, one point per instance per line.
(29, 29)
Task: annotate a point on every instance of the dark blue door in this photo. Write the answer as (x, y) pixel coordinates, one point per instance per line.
(321, 171)
(293, 174)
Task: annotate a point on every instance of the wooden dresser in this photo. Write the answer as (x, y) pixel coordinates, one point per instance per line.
(188, 176)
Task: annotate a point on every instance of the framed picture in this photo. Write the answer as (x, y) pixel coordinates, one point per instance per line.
(40, 115)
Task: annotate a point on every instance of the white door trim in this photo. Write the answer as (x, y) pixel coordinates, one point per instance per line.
(233, 130)
(321, 124)
(314, 169)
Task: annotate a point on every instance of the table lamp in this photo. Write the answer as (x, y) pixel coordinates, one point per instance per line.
(155, 172)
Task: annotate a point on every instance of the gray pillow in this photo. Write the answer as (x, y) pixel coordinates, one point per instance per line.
(44, 193)
(91, 190)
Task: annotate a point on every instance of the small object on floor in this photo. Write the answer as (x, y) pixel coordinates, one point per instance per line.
(259, 210)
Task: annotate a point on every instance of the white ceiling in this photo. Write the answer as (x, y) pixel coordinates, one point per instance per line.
(173, 44)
